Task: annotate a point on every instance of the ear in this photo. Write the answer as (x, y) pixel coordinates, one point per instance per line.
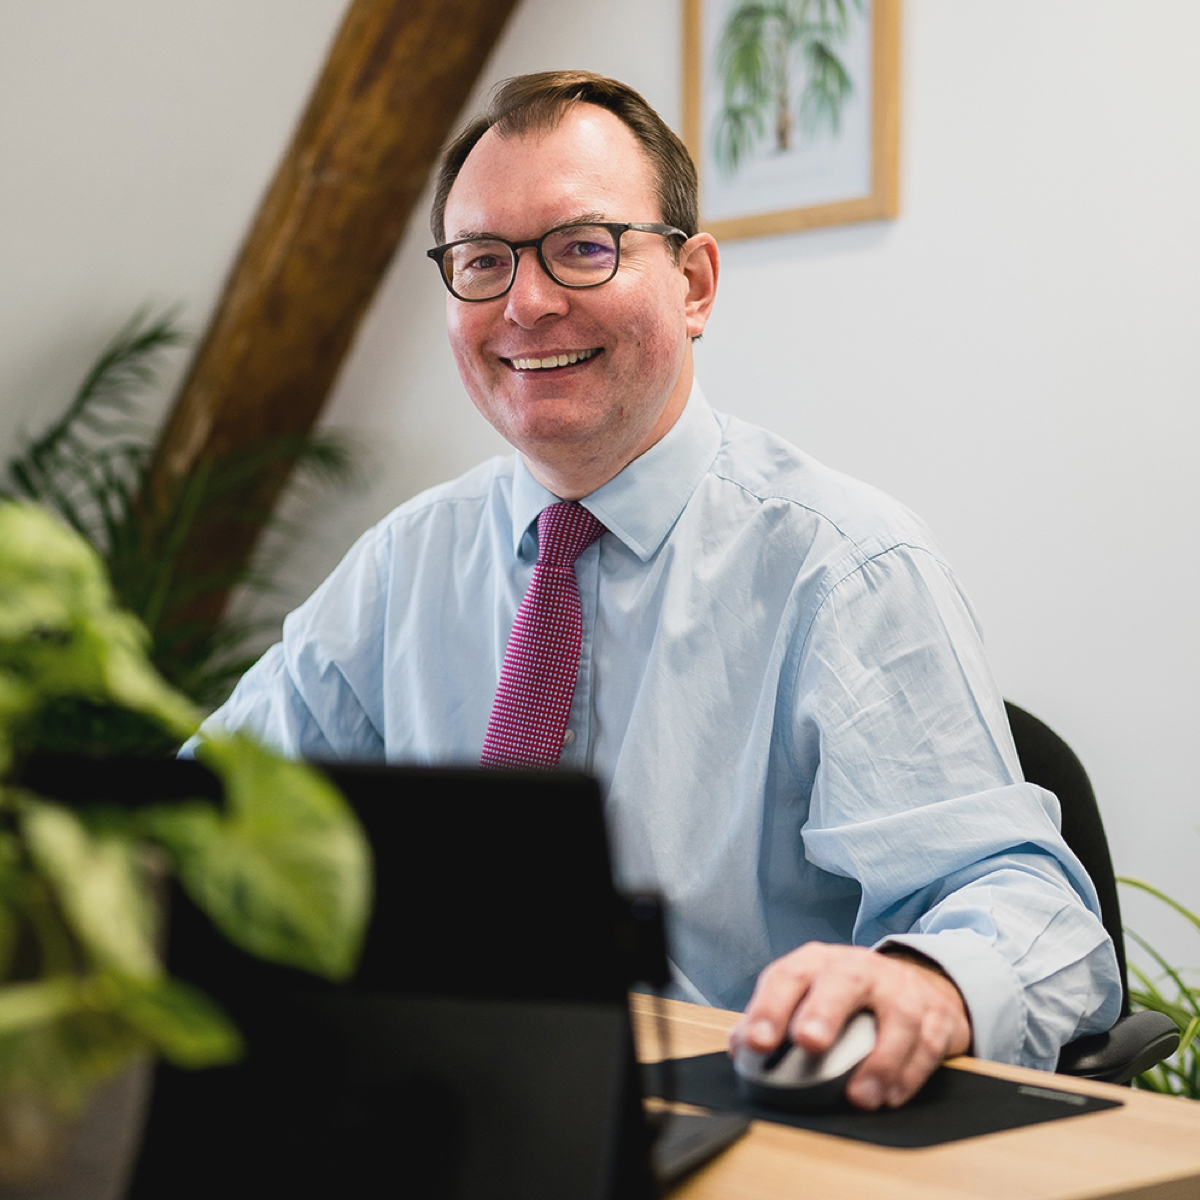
(700, 262)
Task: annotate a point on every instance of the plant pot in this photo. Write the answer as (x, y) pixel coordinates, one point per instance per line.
(95, 1160)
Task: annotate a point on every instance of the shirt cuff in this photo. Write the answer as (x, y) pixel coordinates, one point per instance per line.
(989, 986)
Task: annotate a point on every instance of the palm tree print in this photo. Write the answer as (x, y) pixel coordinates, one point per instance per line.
(779, 67)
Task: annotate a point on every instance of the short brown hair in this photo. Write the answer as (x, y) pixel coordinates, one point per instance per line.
(535, 102)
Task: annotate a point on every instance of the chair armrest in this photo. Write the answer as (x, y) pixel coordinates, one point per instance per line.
(1133, 1045)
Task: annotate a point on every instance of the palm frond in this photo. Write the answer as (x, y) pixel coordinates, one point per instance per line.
(739, 129)
(55, 468)
(762, 49)
(91, 465)
(827, 89)
(824, 18)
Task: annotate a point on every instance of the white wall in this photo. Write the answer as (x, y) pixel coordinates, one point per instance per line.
(135, 139)
(1013, 357)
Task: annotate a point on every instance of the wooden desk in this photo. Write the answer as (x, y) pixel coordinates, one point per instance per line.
(1149, 1149)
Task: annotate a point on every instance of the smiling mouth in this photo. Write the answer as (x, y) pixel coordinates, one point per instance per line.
(551, 360)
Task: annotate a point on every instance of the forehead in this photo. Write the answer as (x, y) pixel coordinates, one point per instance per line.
(589, 163)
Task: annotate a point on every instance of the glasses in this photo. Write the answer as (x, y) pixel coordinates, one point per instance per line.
(577, 256)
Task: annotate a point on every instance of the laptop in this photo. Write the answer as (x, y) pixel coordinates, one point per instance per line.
(483, 1046)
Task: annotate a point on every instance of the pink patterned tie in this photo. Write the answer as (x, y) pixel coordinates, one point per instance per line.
(537, 681)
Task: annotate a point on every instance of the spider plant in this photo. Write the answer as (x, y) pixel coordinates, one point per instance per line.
(1169, 992)
(90, 466)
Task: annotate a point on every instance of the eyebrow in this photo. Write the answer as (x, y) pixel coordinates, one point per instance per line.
(587, 218)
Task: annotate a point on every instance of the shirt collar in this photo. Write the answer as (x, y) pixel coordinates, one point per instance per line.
(641, 503)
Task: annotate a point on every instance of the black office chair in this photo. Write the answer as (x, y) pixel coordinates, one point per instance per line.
(1138, 1040)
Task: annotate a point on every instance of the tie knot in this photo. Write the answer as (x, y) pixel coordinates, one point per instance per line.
(565, 531)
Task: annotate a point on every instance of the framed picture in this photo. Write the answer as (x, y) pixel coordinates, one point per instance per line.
(791, 111)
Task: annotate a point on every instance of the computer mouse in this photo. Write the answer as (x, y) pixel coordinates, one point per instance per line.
(791, 1078)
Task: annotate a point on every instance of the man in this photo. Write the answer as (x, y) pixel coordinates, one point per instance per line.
(780, 682)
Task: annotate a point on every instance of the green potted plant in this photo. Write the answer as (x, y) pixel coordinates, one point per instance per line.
(90, 465)
(1169, 992)
(282, 868)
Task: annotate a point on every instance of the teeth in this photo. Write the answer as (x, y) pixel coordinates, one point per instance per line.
(555, 360)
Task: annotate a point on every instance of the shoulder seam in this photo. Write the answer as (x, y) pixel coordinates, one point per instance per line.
(822, 517)
(430, 498)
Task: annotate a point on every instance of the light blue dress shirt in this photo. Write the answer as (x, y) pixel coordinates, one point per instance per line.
(783, 690)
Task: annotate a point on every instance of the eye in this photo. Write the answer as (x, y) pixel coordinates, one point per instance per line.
(480, 258)
(583, 249)
(581, 253)
(482, 262)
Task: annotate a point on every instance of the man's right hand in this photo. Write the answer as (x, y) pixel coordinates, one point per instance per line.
(810, 993)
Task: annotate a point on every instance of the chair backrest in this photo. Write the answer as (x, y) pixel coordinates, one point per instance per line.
(1050, 763)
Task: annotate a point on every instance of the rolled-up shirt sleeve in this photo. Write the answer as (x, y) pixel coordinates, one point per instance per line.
(917, 795)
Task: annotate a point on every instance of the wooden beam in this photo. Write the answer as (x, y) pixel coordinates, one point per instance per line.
(396, 78)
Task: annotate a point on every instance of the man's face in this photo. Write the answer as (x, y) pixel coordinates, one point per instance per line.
(577, 425)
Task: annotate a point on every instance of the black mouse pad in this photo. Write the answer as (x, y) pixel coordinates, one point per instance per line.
(951, 1106)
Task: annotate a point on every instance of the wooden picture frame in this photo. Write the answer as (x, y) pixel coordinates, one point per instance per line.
(848, 171)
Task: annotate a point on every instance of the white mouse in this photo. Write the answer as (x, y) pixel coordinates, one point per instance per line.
(791, 1078)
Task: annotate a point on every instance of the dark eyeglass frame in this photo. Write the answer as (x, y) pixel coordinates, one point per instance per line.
(615, 228)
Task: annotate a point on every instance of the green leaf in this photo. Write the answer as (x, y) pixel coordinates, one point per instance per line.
(1145, 887)
(182, 1023)
(61, 633)
(99, 887)
(1186, 995)
(23, 1005)
(50, 575)
(119, 643)
(1180, 1074)
(285, 873)
(13, 889)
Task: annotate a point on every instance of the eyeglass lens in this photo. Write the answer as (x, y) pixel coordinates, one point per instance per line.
(579, 256)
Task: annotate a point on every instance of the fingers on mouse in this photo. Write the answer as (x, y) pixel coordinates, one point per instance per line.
(791, 1079)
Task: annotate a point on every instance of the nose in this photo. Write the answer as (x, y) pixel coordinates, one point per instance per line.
(534, 295)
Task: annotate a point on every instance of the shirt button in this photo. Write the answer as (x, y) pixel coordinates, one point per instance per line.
(568, 737)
